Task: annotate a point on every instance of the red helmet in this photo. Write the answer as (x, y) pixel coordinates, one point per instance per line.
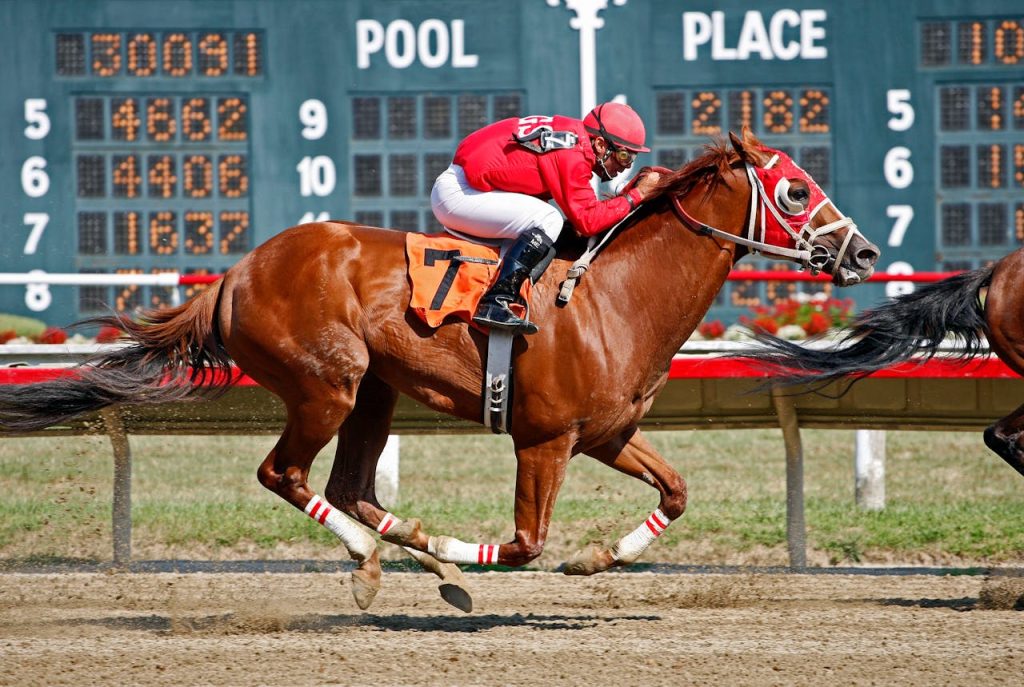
(618, 124)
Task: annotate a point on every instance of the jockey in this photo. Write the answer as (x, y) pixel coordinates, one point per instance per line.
(502, 176)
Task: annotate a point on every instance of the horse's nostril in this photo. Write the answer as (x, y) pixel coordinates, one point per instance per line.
(868, 255)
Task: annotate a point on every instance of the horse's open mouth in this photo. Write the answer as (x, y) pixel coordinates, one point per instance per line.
(848, 276)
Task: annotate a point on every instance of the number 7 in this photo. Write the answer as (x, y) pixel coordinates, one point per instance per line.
(38, 222)
(430, 257)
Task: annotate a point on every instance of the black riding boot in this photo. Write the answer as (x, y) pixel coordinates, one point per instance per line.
(528, 257)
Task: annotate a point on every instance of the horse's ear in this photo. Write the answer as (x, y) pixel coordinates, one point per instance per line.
(748, 147)
(749, 139)
(740, 147)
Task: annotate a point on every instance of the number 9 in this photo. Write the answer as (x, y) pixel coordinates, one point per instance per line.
(313, 114)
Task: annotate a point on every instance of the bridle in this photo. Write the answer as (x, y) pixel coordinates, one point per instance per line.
(808, 252)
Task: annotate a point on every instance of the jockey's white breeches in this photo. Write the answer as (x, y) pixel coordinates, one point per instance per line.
(489, 214)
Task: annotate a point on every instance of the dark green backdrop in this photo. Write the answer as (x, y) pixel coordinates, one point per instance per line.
(169, 135)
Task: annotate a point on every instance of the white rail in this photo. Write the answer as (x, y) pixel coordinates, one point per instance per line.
(78, 279)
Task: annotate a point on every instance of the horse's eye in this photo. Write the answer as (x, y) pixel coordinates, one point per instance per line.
(800, 195)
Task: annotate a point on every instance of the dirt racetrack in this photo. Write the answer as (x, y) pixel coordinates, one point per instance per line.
(526, 629)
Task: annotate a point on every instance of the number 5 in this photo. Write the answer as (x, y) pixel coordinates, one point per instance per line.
(898, 102)
(38, 120)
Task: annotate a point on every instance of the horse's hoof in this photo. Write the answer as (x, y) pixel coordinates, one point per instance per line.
(454, 589)
(456, 596)
(588, 561)
(403, 533)
(366, 581)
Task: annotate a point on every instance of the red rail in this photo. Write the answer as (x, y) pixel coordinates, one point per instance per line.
(792, 275)
(735, 275)
(683, 367)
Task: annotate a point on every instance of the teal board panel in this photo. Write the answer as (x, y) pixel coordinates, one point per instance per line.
(320, 108)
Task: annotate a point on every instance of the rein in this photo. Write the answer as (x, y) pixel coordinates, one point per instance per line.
(807, 253)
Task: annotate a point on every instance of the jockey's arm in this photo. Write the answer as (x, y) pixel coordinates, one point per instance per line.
(567, 177)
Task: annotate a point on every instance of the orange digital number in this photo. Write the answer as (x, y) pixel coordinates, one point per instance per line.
(975, 36)
(1018, 164)
(163, 233)
(142, 55)
(163, 180)
(991, 160)
(127, 179)
(744, 114)
(129, 297)
(1009, 42)
(160, 123)
(126, 233)
(247, 54)
(193, 290)
(706, 107)
(213, 54)
(990, 108)
(124, 119)
(161, 296)
(197, 176)
(234, 232)
(231, 116)
(195, 119)
(778, 112)
(198, 233)
(234, 181)
(177, 55)
(106, 54)
(779, 291)
(814, 112)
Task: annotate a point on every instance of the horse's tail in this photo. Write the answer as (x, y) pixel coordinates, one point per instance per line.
(908, 325)
(172, 354)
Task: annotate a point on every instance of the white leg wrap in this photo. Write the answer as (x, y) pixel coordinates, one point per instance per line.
(387, 522)
(451, 550)
(359, 543)
(629, 548)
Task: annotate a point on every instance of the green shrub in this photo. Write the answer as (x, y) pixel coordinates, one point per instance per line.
(22, 326)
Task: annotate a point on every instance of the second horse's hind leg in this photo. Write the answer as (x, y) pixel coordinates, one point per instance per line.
(351, 486)
(1004, 437)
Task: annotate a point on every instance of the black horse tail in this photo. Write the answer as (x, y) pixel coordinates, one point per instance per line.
(908, 325)
(173, 354)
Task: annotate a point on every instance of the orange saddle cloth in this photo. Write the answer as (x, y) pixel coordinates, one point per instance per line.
(449, 276)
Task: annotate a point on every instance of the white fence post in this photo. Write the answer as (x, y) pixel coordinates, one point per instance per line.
(869, 469)
(387, 473)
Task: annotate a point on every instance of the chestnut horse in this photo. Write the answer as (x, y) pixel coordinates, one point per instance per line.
(318, 315)
(915, 324)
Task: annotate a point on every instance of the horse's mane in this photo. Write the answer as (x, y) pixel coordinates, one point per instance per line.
(708, 169)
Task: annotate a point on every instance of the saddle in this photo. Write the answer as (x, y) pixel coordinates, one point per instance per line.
(449, 276)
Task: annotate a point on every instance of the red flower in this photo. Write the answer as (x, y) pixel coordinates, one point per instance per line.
(7, 335)
(765, 324)
(711, 330)
(53, 335)
(817, 323)
(108, 335)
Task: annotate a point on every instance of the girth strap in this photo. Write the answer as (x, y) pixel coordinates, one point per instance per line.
(497, 392)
